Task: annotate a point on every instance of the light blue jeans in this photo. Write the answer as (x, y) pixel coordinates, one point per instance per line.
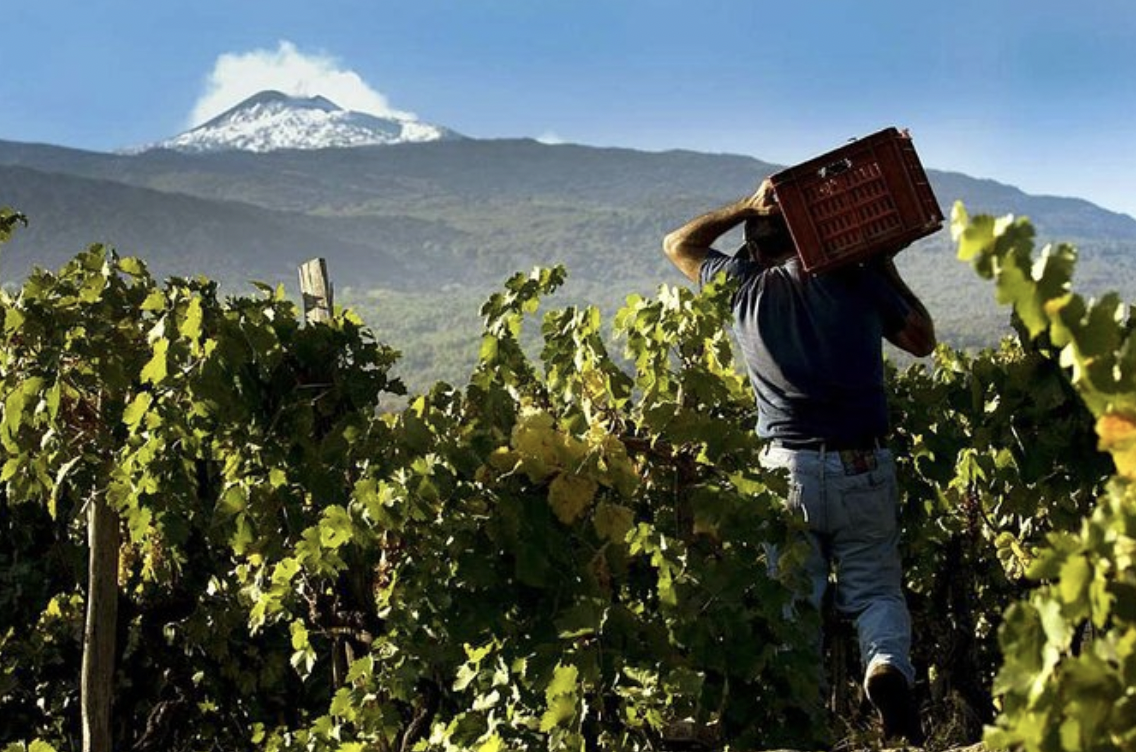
(851, 506)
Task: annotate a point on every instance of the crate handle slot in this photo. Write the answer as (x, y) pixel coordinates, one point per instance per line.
(834, 169)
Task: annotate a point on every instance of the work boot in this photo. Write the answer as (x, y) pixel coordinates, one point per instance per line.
(889, 693)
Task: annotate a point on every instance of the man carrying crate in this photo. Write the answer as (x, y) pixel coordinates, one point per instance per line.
(813, 348)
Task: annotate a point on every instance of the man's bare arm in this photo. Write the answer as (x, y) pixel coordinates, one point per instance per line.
(688, 246)
(917, 335)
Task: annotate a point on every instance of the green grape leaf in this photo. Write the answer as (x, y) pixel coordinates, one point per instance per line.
(1022, 640)
(335, 528)
(973, 237)
(343, 704)
(191, 326)
(560, 695)
(132, 266)
(155, 301)
(1073, 586)
(136, 410)
(155, 371)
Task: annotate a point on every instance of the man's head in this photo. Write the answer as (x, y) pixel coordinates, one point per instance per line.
(768, 240)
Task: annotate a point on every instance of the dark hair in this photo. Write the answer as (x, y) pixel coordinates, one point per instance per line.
(768, 238)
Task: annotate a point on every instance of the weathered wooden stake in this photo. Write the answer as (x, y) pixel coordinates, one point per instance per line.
(97, 683)
(316, 288)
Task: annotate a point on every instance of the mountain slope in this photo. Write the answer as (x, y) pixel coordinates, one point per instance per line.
(271, 120)
(416, 233)
(366, 180)
(175, 234)
(470, 212)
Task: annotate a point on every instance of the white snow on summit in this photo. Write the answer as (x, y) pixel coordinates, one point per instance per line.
(271, 120)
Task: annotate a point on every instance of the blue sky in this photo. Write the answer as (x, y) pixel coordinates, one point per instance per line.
(1037, 94)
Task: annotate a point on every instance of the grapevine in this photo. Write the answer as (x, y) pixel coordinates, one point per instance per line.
(561, 553)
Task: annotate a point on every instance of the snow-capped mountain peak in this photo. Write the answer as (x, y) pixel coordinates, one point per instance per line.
(273, 120)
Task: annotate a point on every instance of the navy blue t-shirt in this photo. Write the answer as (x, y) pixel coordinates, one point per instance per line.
(813, 346)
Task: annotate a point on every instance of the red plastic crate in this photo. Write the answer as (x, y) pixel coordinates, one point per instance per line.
(866, 197)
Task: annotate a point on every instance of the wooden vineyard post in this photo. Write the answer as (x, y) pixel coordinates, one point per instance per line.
(317, 292)
(97, 683)
(315, 286)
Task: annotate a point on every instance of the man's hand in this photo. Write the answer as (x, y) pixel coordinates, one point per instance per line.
(763, 202)
(688, 246)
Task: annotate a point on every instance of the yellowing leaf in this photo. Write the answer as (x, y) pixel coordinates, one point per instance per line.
(503, 459)
(1118, 437)
(533, 418)
(613, 522)
(570, 496)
